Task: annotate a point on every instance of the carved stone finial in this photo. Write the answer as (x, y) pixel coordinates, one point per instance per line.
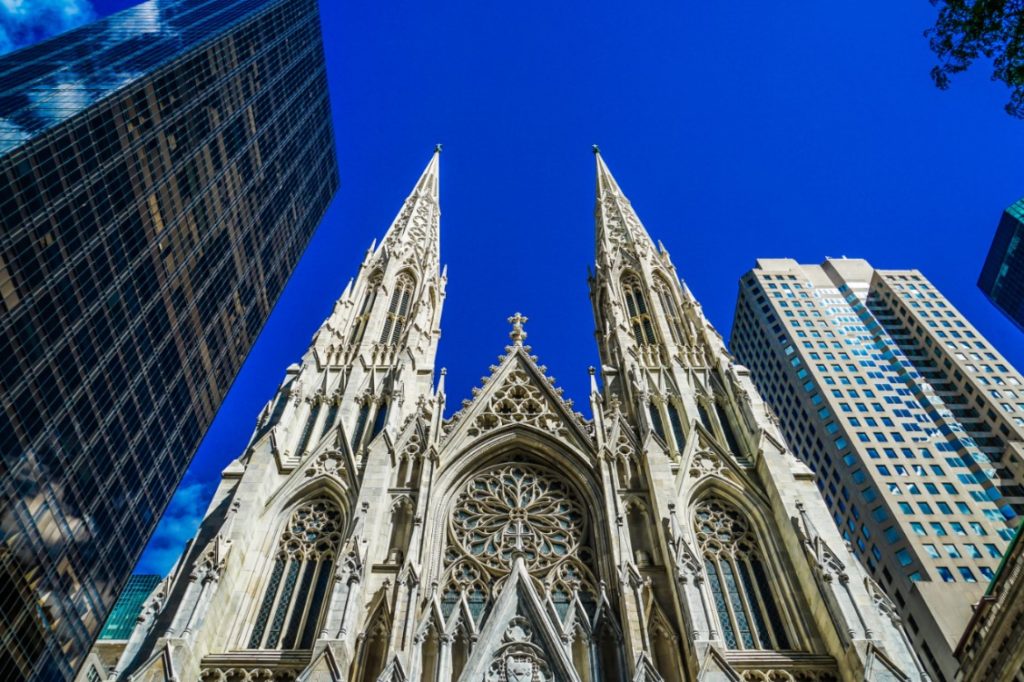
(597, 150)
(437, 148)
(517, 334)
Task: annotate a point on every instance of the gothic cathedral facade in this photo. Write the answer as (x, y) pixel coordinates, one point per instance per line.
(363, 536)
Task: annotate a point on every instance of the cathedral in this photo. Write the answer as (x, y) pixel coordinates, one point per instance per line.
(365, 536)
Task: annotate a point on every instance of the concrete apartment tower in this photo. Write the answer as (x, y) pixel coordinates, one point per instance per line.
(161, 173)
(911, 421)
(363, 536)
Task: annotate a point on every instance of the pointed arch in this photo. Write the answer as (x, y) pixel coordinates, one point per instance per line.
(397, 315)
(363, 317)
(735, 566)
(372, 656)
(359, 429)
(551, 523)
(401, 529)
(726, 428)
(676, 424)
(669, 308)
(665, 645)
(639, 524)
(300, 578)
(638, 311)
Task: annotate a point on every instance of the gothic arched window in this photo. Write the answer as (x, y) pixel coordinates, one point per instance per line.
(360, 321)
(677, 426)
(300, 580)
(398, 310)
(520, 509)
(656, 421)
(511, 510)
(639, 316)
(307, 428)
(730, 435)
(736, 575)
(380, 419)
(670, 309)
(360, 428)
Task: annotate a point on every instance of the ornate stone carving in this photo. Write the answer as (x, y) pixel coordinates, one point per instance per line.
(519, 401)
(788, 676)
(313, 531)
(247, 675)
(513, 510)
(519, 659)
(705, 463)
(327, 463)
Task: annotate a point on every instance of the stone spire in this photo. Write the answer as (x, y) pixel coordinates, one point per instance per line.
(618, 226)
(416, 231)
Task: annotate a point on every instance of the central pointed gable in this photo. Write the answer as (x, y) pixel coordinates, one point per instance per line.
(519, 640)
(518, 393)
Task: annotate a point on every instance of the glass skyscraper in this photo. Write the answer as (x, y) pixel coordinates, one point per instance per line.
(161, 172)
(1002, 276)
(121, 620)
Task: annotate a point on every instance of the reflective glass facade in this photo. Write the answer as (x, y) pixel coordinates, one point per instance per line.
(1002, 277)
(161, 172)
(126, 611)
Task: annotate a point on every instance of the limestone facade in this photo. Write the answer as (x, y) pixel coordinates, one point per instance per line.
(364, 536)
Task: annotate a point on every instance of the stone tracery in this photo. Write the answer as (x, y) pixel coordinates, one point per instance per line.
(517, 510)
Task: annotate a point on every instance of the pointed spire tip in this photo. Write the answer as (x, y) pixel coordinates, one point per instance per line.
(595, 149)
(438, 147)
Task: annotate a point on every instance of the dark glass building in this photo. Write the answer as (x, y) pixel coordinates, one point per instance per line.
(1002, 276)
(161, 172)
(121, 620)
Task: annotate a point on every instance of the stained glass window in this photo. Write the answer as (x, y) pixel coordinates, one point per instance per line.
(300, 579)
(743, 599)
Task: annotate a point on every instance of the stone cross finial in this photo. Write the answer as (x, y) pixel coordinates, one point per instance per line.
(517, 334)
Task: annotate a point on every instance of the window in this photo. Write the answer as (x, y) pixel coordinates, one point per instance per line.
(668, 304)
(639, 316)
(946, 574)
(918, 528)
(359, 323)
(677, 426)
(307, 429)
(932, 551)
(398, 310)
(967, 574)
(656, 423)
(357, 432)
(737, 578)
(951, 551)
(903, 556)
(300, 578)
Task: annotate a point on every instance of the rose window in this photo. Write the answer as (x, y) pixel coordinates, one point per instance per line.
(517, 510)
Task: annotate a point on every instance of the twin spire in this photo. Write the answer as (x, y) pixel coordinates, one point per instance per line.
(418, 223)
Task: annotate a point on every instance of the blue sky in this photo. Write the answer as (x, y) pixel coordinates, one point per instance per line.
(738, 129)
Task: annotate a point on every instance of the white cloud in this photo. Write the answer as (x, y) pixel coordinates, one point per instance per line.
(177, 526)
(23, 22)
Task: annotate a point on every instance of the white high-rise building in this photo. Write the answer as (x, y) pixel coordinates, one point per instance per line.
(912, 422)
(363, 535)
